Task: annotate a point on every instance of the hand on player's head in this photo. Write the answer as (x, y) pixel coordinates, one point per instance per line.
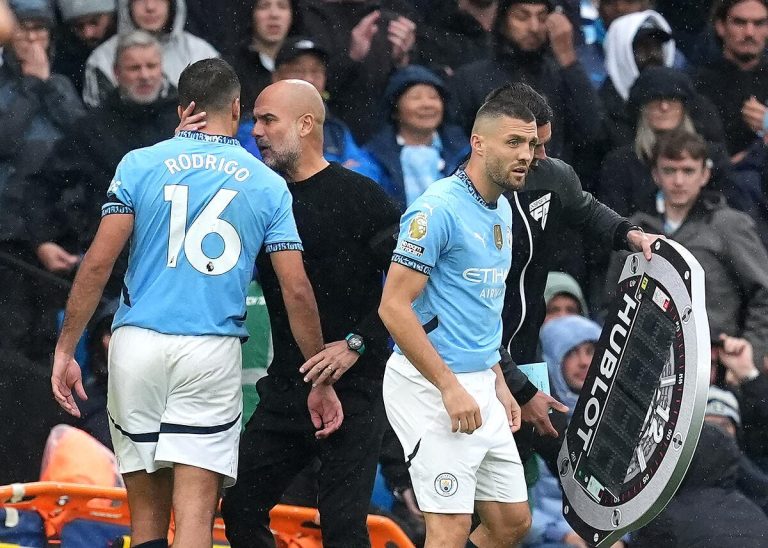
(189, 121)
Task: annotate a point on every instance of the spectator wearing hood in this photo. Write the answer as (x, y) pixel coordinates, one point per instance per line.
(568, 344)
(633, 43)
(141, 111)
(37, 108)
(255, 59)
(163, 18)
(723, 240)
(365, 42)
(662, 99)
(592, 55)
(416, 146)
(457, 34)
(709, 508)
(534, 44)
(737, 83)
(85, 25)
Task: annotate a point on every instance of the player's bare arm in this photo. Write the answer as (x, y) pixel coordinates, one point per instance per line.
(507, 399)
(299, 301)
(402, 287)
(87, 288)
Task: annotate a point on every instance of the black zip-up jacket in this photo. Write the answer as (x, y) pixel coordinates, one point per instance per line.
(552, 198)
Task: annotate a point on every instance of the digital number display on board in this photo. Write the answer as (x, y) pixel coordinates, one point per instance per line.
(640, 410)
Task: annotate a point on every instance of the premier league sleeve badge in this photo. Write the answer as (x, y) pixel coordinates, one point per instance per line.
(638, 418)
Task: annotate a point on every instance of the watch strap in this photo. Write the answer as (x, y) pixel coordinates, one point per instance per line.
(360, 350)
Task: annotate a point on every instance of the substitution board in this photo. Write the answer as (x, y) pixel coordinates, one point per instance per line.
(640, 411)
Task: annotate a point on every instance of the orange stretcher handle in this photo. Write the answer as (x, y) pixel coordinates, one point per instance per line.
(59, 502)
(55, 488)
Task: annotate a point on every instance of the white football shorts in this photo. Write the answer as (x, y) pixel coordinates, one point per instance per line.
(175, 399)
(450, 471)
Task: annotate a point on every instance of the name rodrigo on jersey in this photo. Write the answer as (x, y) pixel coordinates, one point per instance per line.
(184, 162)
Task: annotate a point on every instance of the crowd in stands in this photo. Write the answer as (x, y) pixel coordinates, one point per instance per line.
(660, 107)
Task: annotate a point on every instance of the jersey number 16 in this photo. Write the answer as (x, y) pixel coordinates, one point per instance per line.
(207, 222)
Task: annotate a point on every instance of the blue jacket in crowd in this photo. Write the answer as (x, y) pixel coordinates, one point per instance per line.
(385, 150)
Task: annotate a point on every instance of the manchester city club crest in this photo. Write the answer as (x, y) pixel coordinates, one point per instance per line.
(498, 236)
(446, 484)
(418, 227)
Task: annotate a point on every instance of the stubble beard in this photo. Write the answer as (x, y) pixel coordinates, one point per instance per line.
(144, 99)
(285, 161)
(745, 57)
(495, 172)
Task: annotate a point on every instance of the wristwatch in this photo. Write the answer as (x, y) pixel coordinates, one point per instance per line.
(355, 342)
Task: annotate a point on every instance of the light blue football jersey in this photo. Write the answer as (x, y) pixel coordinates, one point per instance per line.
(464, 245)
(203, 207)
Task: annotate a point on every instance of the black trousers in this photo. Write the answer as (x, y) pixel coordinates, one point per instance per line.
(279, 442)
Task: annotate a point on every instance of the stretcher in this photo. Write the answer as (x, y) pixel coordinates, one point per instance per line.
(71, 515)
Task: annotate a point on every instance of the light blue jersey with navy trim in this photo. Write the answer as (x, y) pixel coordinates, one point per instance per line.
(203, 207)
(464, 245)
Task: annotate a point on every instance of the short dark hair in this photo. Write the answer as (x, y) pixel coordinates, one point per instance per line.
(679, 142)
(528, 97)
(211, 83)
(722, 8)
(502, 104)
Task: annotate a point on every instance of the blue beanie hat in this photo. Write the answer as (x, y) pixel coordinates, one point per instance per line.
(407, 77)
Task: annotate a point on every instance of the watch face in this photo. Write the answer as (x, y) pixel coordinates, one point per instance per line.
(355, 342)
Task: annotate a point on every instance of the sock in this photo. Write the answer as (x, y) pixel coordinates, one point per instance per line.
(158, 543)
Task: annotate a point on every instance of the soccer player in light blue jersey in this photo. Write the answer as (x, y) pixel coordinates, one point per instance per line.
(197, 209)
(445, 395)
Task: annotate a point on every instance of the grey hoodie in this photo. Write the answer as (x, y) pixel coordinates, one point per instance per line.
(180, 48)
(729, 249)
